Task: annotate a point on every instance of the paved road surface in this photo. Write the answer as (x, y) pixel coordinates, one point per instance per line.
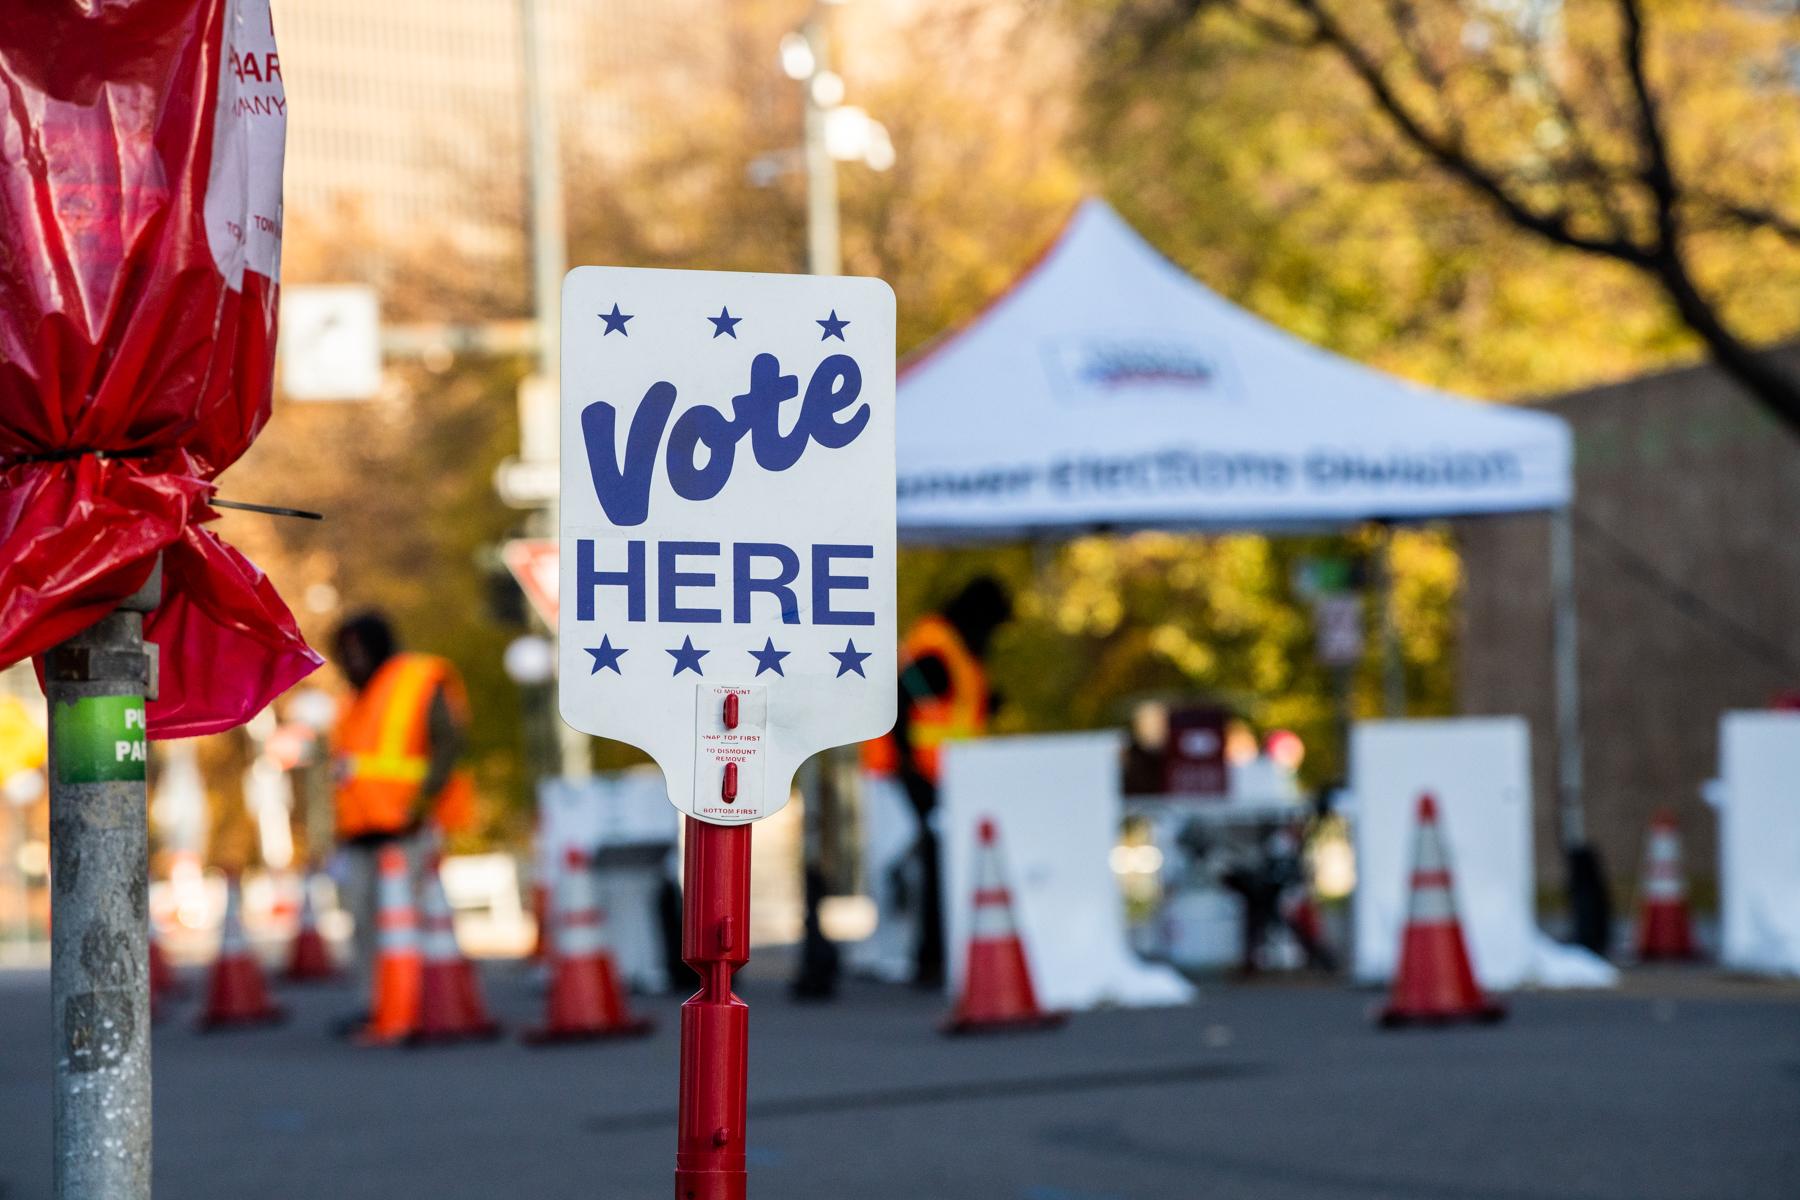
(1684, 1092)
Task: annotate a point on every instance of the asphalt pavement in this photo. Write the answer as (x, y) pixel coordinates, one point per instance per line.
(1675, 1088)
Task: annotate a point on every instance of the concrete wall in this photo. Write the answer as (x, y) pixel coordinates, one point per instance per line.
(1687, 558)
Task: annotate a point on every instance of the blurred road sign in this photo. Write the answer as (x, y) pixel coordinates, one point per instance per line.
(1339, 619)
(523, 484)
(330, 342)
(1315, 577)
(727, 523)
(533, 562)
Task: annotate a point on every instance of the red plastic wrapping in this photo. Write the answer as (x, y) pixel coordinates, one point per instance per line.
(140, 240)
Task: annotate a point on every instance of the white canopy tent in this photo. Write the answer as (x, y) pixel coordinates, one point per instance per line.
(1108, 389)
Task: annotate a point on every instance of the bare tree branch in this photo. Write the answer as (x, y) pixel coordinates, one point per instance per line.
(1657, 174)
(1748, 216)
(1451, 155)
(1585, 164)
(1558, 194)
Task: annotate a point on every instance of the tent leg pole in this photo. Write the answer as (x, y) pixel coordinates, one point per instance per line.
(1393, 665)
(1571, 820)
(1589, 905)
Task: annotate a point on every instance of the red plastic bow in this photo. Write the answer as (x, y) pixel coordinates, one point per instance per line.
(140, 226)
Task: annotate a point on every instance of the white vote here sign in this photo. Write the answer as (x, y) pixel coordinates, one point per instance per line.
(727, 540)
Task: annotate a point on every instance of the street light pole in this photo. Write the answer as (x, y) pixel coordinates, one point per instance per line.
(549, 262)
(823, 256)
(817, 976)
(97, 682)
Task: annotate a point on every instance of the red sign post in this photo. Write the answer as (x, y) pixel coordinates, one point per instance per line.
(715, 1024)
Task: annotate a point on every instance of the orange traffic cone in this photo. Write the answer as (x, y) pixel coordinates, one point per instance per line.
(450, 1005)
(997, 991)
(1435, 983)
(236, 994)
(309, 959)
(1664, 933)
(586, 1000)
(394, 998)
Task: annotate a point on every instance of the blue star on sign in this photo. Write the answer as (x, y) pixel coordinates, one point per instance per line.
(850, 659)
(833, 326)
(687, 658)
(725, 324)
(606, 657)
(769, 658)
(615, 321)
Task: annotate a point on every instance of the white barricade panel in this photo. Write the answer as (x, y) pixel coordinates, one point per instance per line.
(1759, 841)
(1056, 801)
(1479, 770)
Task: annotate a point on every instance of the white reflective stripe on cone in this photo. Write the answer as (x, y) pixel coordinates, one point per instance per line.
(394, 892)
(1428, 849)
(580, 922)
(396, 930)
(990, 871)
(575, 889)
(396, 922)
(438, 943)
(1662, 869)
(1431, 905)
(231, 930)
(437, 925)
(1432, 901)
(309, 920)
(581, 934)
(993, 915)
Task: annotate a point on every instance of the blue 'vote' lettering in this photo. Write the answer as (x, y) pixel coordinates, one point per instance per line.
(624, 491)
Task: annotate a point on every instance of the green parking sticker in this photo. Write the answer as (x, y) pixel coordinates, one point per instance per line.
(100, 739)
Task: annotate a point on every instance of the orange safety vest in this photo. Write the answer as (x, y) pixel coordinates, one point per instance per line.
(961, 712)
(383, 748)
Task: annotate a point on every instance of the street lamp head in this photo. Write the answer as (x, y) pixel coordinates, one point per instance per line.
(530, 660)
(852, 135)
(797, 61)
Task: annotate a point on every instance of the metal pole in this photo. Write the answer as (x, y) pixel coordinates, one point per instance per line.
(1393, 664)
(1343, 676)
(1571, 815)
(823, 255)
(99, 965)
(1590, 904)
(817, 977)
(549, 262)
(715, 1024)
(544, 182)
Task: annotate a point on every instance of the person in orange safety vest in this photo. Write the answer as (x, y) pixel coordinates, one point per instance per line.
(944, 696)
(395, 750)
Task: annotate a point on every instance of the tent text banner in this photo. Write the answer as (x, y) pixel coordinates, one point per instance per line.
(727, 527)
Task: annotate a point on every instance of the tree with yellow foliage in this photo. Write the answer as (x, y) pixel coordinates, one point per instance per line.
(1662, 138)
